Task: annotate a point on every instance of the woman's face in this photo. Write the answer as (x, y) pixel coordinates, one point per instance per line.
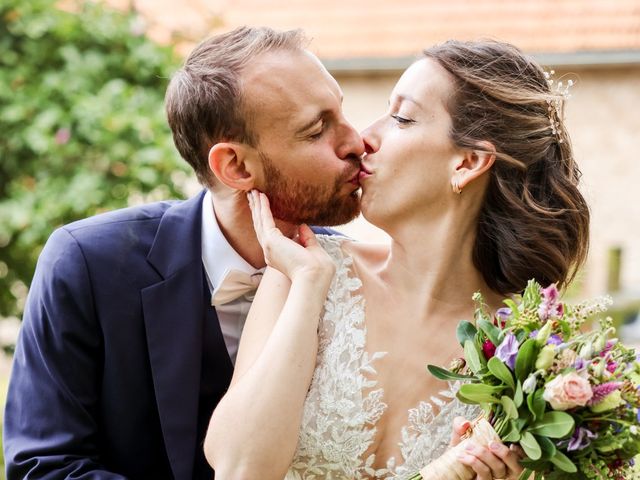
(410, 158)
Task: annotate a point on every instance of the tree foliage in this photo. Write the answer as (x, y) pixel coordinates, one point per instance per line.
(82, 122)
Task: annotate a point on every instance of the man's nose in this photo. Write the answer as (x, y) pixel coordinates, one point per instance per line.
(352, 144)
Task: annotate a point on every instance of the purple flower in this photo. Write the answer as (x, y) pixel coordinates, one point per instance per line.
(502, 315)
(507, 351)
(554, 340)
(580, 439)
(550, 306)
(580, 363)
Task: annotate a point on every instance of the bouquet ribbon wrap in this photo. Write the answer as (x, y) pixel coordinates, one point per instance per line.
(448, 467)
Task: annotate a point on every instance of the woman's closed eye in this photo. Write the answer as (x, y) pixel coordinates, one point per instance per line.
(402, 120)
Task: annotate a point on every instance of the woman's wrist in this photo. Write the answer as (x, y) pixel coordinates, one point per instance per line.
(318, 275)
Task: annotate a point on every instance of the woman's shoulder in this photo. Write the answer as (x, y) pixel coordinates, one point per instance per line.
(362, 252)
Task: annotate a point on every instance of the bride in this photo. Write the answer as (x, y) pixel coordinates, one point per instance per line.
(472, 175)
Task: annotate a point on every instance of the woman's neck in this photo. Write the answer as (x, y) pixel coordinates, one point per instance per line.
(431, 264)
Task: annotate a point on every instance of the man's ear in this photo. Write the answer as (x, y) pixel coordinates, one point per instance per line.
(230, 163)
(474, 163)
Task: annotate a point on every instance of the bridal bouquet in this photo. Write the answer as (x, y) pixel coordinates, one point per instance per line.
(570, 399)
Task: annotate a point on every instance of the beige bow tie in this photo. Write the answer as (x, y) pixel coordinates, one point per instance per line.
(234, 285)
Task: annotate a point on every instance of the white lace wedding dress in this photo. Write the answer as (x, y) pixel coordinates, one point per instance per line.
(343, 404)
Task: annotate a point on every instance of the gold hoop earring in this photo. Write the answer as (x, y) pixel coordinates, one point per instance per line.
(456, 186)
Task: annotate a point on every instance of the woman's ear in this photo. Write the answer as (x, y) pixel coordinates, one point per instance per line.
(230, 163)
(474, 164)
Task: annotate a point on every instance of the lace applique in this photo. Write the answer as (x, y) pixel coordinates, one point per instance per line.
(343, 404)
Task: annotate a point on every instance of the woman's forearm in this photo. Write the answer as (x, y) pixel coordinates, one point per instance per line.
(254, 430)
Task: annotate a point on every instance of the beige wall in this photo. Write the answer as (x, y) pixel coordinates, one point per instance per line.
(603, 118)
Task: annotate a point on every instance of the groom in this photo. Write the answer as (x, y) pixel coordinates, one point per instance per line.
(133, 318)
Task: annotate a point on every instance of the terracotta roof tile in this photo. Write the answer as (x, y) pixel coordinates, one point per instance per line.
(359, 28)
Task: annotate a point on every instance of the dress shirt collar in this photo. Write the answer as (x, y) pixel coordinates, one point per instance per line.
(218, 256)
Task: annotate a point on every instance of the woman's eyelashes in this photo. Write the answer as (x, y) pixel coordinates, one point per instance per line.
(402, 120)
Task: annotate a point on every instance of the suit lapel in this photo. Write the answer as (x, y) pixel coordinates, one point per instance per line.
(173, 318)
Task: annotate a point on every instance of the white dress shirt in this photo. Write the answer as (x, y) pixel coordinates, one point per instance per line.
(218, 257)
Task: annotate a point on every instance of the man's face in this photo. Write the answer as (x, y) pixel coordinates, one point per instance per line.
(308, 151)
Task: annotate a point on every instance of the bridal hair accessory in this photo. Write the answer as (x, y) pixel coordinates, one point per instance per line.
(555, 105)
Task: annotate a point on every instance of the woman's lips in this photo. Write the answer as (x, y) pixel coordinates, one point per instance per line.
(364, 172)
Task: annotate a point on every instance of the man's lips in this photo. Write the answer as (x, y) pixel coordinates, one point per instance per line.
(355, 180)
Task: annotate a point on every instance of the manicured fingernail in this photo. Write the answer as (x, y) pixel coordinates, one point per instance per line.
(495, 446)
(465, 425)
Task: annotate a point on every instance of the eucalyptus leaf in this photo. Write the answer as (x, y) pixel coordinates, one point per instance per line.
(547, 446)
(526, 359)
(501, 372)
(465, 331)
(536, 404)
(472, 356)
(553, 424)
(479, 393)
(444, 374)
(563, 462)
(509, 407)
(518, 397)
(530, 446)
(492, 333)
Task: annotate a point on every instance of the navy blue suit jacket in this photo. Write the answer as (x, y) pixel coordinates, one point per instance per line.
(107, 369)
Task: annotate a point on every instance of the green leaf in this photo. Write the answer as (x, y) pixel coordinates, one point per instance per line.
(514, 308)
(536, 404)
(509, 407)
(547, 446)
(518, 397)
(526, 359)
(472, 356)
(444, 374)
(563, 462)
(479, 393)
(490, 331)
(526, 473)
(513, 434)
(553, 424)
(530, 446)
(501, 372)
(465, 331)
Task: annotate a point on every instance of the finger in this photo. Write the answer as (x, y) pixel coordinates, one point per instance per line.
(482, 471)
(460, 427)
(306, 237)
(508, 456)
(517, 449)
(255, 216)
(265, 212)
(497, 467)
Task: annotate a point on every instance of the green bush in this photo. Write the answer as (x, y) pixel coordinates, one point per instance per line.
(82, 122)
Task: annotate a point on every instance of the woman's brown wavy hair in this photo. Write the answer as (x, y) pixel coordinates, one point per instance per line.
(534, 222)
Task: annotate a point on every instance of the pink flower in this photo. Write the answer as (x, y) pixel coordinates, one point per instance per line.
(567, 391)
(63, 135)
(550, 306)
(489, 349)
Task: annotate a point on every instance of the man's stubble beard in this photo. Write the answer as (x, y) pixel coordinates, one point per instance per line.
(296, 202)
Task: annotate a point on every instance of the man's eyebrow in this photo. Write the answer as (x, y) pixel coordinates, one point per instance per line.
(311, 123)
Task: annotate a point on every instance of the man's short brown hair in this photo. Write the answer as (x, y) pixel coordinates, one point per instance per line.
(204, 100)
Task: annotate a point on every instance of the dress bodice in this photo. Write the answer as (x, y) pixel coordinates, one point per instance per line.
(344, 402)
